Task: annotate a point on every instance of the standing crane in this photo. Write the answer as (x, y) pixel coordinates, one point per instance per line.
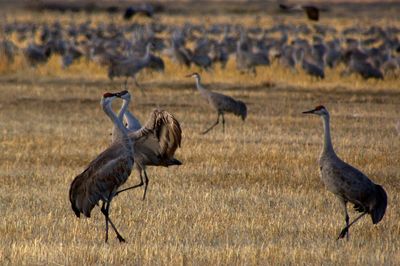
(105, 174)
(348, 183)
(129, 67)
(154, 144)
(221, 103)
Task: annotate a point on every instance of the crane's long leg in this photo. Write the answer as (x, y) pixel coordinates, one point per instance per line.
(346, 229)
(137, 85)
(132, 187)
(106, 212)
(223, 123)
(126, 82)
(103, 210)
(146, 183)
(216, 123)
(346, 216)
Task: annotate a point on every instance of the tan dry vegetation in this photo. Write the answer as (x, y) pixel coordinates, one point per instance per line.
(250, 196)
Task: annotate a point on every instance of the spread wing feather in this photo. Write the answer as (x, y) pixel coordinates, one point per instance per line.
(157, 141)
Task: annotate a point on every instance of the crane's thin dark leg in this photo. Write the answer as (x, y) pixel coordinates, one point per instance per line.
(216, 123)
(132, 187)
(106, 212)
(126, 82)
(254, 71)
(137, 85)
(346, 229)
(146, 183)
(223, 123)
(346, 217)
(103, 210)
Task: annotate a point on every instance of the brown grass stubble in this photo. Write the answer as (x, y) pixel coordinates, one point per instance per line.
(252, 195)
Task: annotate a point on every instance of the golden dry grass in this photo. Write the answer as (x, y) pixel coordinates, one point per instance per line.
(250, 196)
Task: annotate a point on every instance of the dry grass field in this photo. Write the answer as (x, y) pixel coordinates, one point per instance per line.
(251, 196)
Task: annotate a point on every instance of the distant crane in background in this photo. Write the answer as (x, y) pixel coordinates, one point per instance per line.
(221, 103)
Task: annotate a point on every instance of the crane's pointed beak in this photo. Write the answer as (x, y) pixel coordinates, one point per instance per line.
(309, 112)
(121, 93)
(188, 76)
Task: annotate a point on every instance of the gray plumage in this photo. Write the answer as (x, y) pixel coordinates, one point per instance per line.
(246, 60)
(104, 175)
(8, 49)
(221, 103)
(132, 123)
(180, 53)
(156, 63)
(129, 67)
(357, 62)
(348, 183)
(308, 65)
(36, 54)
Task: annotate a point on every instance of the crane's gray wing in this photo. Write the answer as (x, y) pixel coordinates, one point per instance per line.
(354, 186)
(99, 179)
(228, 104)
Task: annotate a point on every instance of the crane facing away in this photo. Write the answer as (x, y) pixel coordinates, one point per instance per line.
(105, 174)
(348, 183)
(221, 103)
(154, 144)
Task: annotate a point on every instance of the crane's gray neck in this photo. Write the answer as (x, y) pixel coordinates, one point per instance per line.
(328, 147)
(198, 83)
(201, 89)
(122, 110)
(132, 122)
(116, 133)
(120, 126)
(147, 54)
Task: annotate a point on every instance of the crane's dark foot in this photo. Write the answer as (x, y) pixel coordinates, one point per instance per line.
(344, 232)
(121, 239)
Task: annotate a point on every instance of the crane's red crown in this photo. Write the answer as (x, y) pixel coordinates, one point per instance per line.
(108, 94)
(319, 107)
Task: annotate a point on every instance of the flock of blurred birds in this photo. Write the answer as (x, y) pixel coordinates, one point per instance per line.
(126, 48)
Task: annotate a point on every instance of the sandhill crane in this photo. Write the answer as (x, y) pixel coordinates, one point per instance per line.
(9, 49)
(180, 53)
(347, 182)
(246, 59)
(129, 67)
(36, 54)
(358, 63)
(155, 143)
(308, 66)
(105, 174)
(221, 103)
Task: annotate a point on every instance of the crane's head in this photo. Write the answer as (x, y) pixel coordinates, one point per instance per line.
(123, 95)
(107, 98)
(194, 75)
(319, 110)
